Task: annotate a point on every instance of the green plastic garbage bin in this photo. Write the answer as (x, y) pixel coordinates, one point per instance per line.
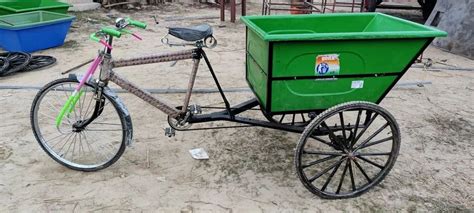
(313, 62)
(11, 7)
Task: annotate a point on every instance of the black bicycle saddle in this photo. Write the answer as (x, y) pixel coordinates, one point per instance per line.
(194, 33)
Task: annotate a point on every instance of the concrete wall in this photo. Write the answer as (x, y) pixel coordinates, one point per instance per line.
(456, 18)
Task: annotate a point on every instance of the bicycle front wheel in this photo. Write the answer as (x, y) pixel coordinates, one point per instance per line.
(80, 147)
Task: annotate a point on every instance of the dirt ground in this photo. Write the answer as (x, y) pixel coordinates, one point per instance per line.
(250, 169)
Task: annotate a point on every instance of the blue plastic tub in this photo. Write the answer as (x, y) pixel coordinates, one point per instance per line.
(32, 31)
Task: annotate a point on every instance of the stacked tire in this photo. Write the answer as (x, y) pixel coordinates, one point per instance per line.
(13, 62)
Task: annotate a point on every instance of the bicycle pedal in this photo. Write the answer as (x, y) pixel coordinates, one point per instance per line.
(195, 109)
(170, 132)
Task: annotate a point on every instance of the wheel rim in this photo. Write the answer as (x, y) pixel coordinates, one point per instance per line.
(350, 158)
(95, 145)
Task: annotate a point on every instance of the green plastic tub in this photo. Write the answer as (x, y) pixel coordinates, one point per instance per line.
(313, 62)
(21, 6)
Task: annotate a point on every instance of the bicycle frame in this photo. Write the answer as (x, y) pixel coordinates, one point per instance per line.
(104, 60)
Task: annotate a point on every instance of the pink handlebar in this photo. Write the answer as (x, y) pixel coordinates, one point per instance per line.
(105, 44)
(137, 36)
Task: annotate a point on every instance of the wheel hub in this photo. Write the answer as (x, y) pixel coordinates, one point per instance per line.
(77, 127)
(351, 155)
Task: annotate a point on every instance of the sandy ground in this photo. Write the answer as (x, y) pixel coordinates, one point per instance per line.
(251, 169)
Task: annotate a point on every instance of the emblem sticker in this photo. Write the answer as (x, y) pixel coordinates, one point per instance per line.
(357, 84)
(327, 65)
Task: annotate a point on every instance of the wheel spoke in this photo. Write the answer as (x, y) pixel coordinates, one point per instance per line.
(342, 177)
(352, 175)
(58, 136)
(326, 170)
(324, 141)
(331, 133)
(374, 154)
(356, 128)
(365, 128)
(69, 147)
(65, 142)
(372, 136)
(371, 162)
(103, 129)
(341, 118)
(74, 147)
(81, 147)
(83, 103)
(331, 176)
(322, 153)
(104, 123)
(362, 170)
(86, 114)
(90, 147)
(319, 161)
(65, 136)
(376, 142)
(74, 108)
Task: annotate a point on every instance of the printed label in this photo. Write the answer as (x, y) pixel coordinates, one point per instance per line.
(327, 65)
(357, 84)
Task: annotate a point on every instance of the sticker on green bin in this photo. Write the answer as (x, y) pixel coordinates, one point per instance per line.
(327, 65)
(357, 84)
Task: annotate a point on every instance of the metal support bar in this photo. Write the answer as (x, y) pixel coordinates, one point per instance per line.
(244, 106)
(232, 11)
(192, 79)
(227, 105)
(223, 116)
(144, 95)
(174, 56)
(222, 4)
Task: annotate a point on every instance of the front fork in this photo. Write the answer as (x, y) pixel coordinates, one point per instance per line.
(98, 96)
(98, 109)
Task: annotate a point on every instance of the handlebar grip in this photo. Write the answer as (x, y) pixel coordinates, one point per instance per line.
(137, 23)
(111, 32)
(93, 37)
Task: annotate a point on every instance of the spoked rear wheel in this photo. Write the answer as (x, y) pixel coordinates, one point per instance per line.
(89, 148)
(347, 149)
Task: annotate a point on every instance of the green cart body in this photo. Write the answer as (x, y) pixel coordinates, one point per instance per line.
(313, 62)
(8, 7)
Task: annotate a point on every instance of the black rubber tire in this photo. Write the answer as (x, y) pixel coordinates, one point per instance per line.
(117, 108)
(327, 114)
(4, 64)
(38, 62)
(17, 62)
